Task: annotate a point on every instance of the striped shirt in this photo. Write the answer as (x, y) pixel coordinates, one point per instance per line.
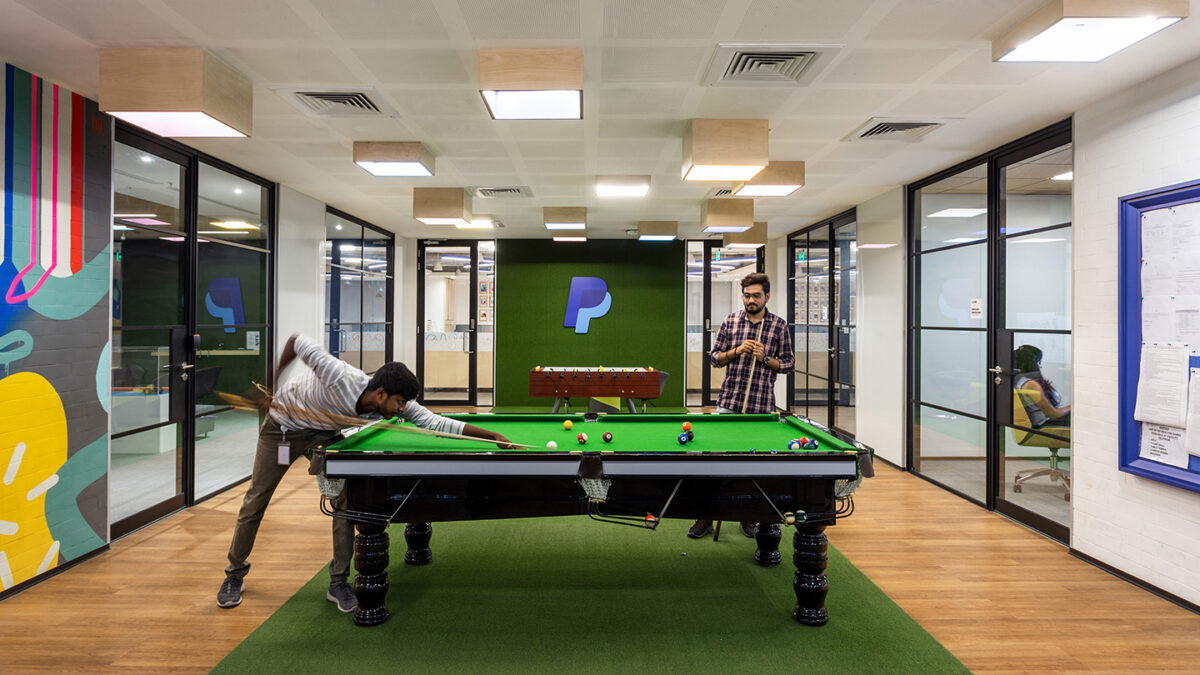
(777, 343)
(334, 386)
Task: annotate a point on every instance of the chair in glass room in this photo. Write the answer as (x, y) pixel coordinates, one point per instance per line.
(1030, 439)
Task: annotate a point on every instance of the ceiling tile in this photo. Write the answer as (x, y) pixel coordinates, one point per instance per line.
(782, 150)
(375, 20)
(414, 66)
(800, 20)
(814, 128)
(295, 128)
(492, 149)
(654, 64)
(955, 19)
(605, 166)
(543, 129)
(577, 180)
(980, 69)
(625, 101)
(478, 165)
(315, 149)
(555, 166)
(281, 66)
(124, 21)
(861, 102)
(550, 148)
(886, 66)
(641, 128)
(647, 149)
(455, 127)
(520, 19)
(661, 20)
(241, 20)
(440, 102)
(755, 102)
(943, 103)
(371, 128)
(865, 150)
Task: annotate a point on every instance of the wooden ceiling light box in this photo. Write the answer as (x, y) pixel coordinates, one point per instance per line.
(564, 217)
(532, 84)
(725, 150)
(175, 92)
(755, 237)
(727, 215)
(779, 179)
(442, 206)
(658, 230)
(1085, 30)
(387, 158)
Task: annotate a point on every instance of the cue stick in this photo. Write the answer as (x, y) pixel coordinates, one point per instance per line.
(746, 398)
(243, 403)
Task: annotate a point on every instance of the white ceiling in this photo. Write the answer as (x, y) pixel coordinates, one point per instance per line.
(644, 61)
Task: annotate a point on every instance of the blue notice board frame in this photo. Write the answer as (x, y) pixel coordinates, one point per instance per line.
(1130, 328)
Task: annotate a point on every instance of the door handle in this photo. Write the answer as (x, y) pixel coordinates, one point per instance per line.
(186, 366)
(996, 369)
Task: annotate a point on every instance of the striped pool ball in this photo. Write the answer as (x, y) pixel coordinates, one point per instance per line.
(794, 444)
(582, 438)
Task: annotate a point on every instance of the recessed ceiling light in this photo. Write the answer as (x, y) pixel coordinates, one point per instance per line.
(570, 238)
(957, 213)
(1085, 30)
(622, 186)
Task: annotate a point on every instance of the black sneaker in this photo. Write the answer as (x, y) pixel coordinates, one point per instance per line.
(749, 528)
(700, 528)
(343, 595)
(230, 594)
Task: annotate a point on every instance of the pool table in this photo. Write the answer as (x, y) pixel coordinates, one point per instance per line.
(736, 467)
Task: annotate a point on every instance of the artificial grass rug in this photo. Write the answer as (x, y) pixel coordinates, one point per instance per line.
(572, 595)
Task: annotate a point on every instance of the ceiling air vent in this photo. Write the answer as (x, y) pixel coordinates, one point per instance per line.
(509, 192)
(767, 65)
(895, 129)
(719, 192)
(338, 102)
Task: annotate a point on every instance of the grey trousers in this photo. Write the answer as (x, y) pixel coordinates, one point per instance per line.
(264, 479)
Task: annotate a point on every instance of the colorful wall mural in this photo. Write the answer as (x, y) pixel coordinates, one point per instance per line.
(54, 326)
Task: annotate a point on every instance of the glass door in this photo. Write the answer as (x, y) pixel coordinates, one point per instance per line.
(448, 307)
(844, 292)
(723, 271)
(358, 291)
(149, 383)
(812, 289)
(1033, 347)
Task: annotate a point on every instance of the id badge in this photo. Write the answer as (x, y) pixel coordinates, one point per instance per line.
(285, 453)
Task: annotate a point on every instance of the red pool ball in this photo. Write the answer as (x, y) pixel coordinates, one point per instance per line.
(582, 438)
(607, 437)
(687, 426)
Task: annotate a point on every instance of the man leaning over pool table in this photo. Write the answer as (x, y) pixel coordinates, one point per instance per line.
(287, 433)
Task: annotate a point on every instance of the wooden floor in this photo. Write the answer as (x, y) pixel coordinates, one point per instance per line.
(1000, 597)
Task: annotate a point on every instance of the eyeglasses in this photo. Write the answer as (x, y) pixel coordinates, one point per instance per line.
(752, 296)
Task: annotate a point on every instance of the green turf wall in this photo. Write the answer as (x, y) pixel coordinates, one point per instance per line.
(643, 327)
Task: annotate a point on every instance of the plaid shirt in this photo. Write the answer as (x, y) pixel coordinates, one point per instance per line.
(777, 342)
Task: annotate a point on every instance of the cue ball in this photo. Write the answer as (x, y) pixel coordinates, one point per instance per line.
(582, 438)
(567, 425)
(690, 435)
(607, 437)
(687, 426)
(552, 445)
(683, 439)
(794, 444)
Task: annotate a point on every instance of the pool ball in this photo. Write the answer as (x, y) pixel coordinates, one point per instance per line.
(687, 426)
(683, 439)
(812, 444)
(607, 437)
(794, 444)
(803, 440)
(567, 425)
(552, 445)
(582, 438)
(774, 451)
(690, 435)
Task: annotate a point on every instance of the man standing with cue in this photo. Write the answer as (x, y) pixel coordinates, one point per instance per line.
(755, 345)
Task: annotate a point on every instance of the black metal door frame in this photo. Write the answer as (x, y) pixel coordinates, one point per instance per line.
(472, 322)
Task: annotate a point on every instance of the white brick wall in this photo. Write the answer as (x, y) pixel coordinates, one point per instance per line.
(1143, 138)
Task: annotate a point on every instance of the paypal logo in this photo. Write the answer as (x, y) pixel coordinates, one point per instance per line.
(589, 299)
(224, 301)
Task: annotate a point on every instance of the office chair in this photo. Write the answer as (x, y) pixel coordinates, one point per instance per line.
(1031, 440)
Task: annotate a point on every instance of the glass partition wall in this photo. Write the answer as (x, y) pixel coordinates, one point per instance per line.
(359, 283)
(714, 276)
(821, 303)
(191, 316)
(990, 316)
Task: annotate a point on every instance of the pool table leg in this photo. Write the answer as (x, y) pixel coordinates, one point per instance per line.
(371, 583)
(768, 537)
(417, 536)
(810, 583)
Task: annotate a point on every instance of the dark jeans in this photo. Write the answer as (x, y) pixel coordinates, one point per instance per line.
(264, 479)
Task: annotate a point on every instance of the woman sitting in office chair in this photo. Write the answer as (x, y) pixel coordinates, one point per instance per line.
(1042, 403)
